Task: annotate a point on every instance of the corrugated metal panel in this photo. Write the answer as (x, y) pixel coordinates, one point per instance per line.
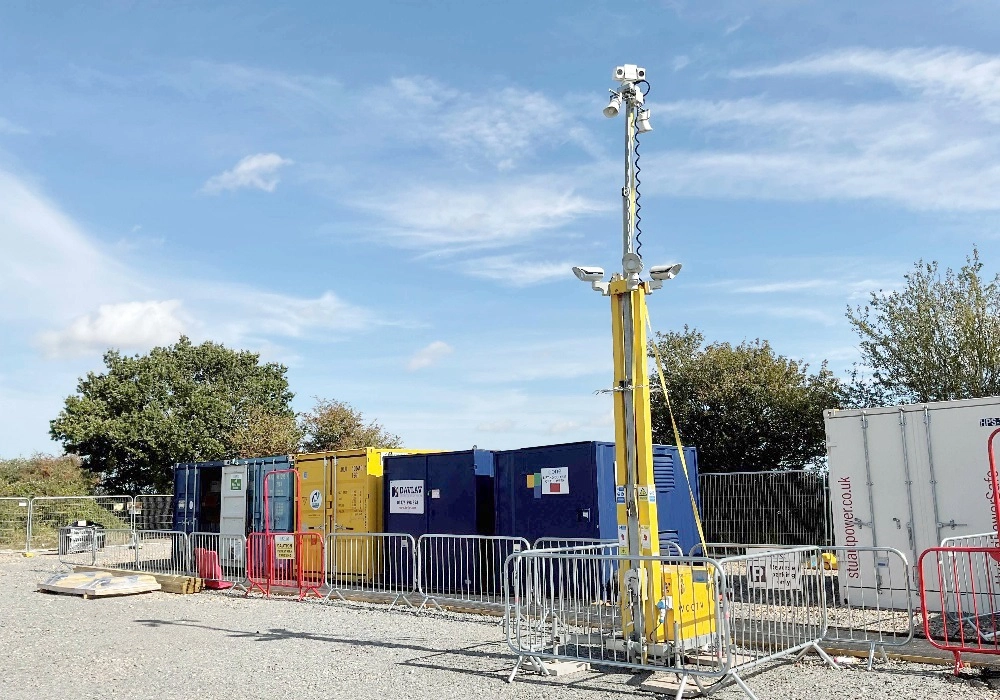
(281, 493)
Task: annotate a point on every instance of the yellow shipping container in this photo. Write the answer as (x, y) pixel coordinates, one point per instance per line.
(341, 492)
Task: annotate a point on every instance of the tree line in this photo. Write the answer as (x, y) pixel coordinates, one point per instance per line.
(745, 406)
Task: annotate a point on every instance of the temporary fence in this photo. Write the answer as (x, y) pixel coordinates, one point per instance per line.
(667, 547)
(286, 560)
(14, 519)
(153, 512)
(867, 592)
(162, 552)
(78, 545)
(380, 567)
(464, 570)
(716, 620)
(983, 539)
(220, 560)
(783, 507)
(963, 583)
(50, 513)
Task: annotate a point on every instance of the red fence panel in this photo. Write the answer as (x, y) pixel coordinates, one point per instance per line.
(963, 585)
(285, 560)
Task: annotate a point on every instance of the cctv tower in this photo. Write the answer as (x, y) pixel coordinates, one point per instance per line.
(635, 492)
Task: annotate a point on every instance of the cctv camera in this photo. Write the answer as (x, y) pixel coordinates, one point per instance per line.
(629, 73)
(589, 274)
(664, 272)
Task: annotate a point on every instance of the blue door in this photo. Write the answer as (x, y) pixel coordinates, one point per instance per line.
(186, 497)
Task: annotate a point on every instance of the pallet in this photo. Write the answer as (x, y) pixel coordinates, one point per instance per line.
(169, 583)
(98, 584)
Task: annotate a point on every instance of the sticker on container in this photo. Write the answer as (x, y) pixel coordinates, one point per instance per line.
(652, 495)
(236, 483)
(781, 571)
(555, 480)
(435, 493)
(406, 496)
(641, 492)
(646, 539)
(619, 494)
(530, 480)
(623, 535)
(315, 499)
(517, 546)
(284, 546)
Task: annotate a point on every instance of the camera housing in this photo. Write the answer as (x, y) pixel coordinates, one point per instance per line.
(589, 274)
(629, 73)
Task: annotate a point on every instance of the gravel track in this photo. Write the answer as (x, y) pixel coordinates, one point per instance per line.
(208, 646)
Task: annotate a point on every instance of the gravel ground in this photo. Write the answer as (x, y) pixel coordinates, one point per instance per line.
(210, 646)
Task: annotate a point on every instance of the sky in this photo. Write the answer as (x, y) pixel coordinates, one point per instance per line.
(388, 197)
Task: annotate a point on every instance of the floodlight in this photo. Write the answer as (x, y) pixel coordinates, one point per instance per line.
(589, 274)
(664, 272)
(642, 124)
(614, 106)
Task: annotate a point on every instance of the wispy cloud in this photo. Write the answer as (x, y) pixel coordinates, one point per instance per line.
(432, 217)
(515, 271)
(9, 127)
(429, 355)
(932, 146)
(258, 171)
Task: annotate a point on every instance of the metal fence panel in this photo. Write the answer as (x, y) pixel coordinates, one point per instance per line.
(963, 583)
(292, 560)
(220, 560)
(381, 567)
(153, 511)
(162, 552)
(78, 545)
(782, 507)
(14, 518)
(984, 539)
(49, 513)
(117, 550)
(464, 570)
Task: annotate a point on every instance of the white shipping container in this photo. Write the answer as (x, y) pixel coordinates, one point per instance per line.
(907, 477)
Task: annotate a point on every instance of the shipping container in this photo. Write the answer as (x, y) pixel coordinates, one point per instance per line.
(228, 496)
(445, 492)
(342, 489)
(584, 505)
(907, 477)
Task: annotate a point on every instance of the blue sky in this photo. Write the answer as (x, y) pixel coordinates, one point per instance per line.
(388, 197)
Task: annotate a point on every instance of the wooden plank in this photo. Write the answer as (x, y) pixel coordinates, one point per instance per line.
(169, 583)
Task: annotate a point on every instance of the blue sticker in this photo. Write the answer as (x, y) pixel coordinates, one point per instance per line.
(619, 494)
(538, 488)
(652, 495)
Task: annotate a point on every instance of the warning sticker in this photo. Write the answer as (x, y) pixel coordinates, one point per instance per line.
(623, 535)
(619, 494)
(284, 546)
(645, 539)
(555, 480)
(780, 571)
(406, 496)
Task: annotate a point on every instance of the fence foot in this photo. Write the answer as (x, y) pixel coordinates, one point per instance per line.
(743, 686)
(958, 662)
(823, 655)
(510, 678)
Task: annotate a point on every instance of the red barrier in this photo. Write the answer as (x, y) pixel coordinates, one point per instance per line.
(285, 560)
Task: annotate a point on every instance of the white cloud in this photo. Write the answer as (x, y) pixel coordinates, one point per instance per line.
(490, 216)
(432, 354)
(932, 146)
(515, 271)
(259, 171)
(9, 127)
(497, 426)
(137, 325)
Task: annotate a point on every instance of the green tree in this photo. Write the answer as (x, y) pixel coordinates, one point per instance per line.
(45, 475)
(744, 407)
(335, 425)
(936, 339)
(262, 434)
(179, 403)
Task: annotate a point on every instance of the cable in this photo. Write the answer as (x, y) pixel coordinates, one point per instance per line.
(638, 204)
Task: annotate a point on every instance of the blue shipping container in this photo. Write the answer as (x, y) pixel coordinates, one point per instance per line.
(445, 492)
(197, 502)
(580, 503)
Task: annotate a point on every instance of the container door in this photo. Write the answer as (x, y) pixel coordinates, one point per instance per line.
(185, 498)
(313, 482)
(233, 519)
(280, 500)
(354, 498)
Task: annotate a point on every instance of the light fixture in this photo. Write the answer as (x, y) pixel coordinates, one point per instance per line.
(614, 106)
(664, 272)
(589, 274)
(642, 124)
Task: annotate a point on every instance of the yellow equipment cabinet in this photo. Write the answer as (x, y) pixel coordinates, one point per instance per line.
(342, 489)
(687, 608)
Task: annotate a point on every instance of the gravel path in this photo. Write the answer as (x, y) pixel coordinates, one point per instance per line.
(165, 647)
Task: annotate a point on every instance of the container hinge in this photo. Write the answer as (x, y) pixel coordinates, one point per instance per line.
(952, 524)
(858, 522)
